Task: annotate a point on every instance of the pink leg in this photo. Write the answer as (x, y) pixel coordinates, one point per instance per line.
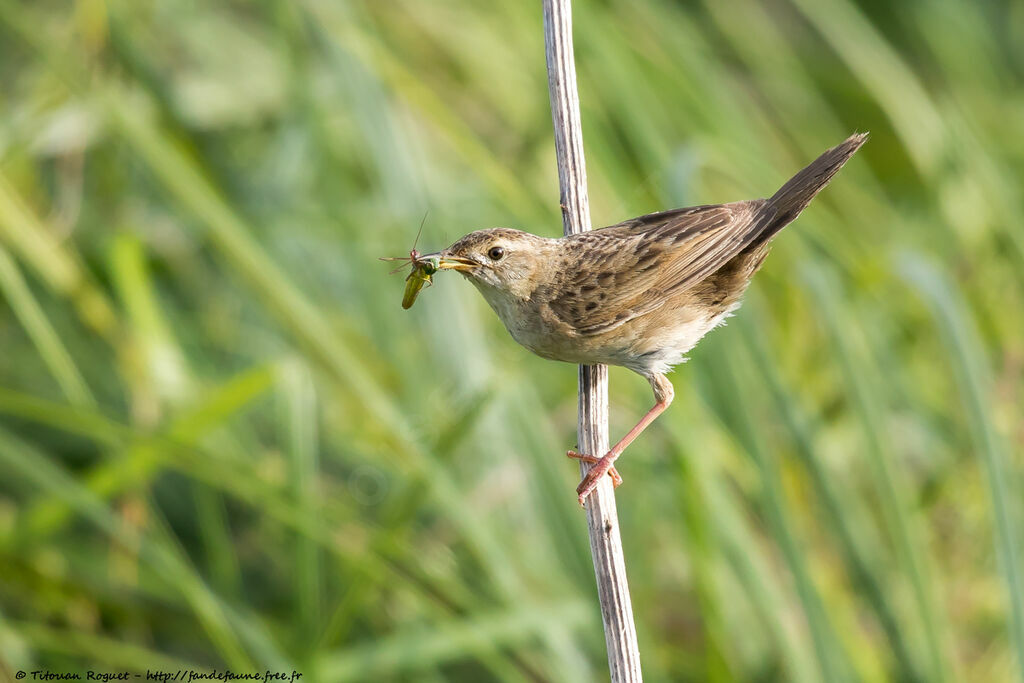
(663, 394)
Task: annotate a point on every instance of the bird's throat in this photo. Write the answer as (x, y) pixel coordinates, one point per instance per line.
(507, 304)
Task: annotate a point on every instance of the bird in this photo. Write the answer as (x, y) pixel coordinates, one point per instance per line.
(638, 294)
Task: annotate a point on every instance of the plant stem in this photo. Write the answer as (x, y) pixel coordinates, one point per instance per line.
(602, 519)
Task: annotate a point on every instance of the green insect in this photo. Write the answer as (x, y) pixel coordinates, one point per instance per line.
(420, 277)
(422, 271)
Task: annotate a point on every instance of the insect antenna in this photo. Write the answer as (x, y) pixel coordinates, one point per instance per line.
(413, 254)
(418, 233)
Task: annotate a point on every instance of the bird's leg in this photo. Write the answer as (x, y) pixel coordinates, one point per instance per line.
(663, 394)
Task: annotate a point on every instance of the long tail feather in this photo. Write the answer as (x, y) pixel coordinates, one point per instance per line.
(797, 193)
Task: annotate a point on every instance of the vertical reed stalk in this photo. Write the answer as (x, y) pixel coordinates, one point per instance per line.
(602, 519)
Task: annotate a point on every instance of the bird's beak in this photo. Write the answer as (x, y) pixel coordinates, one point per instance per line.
(446, 261)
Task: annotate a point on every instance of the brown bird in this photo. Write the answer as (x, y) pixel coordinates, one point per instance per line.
(639, 294)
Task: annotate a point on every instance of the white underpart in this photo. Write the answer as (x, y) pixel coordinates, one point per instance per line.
(674, 354)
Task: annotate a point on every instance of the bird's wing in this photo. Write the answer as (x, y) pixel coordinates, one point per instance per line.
(627, 270)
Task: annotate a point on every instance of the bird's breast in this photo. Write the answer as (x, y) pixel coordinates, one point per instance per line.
(648, 344)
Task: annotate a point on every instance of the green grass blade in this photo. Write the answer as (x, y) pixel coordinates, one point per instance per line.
(299, 407)
(50, 478)
(971, 368)
(32, 317)
(904, 528)
(432, 644)
(724, 397)
(844, 515)
(57, 267)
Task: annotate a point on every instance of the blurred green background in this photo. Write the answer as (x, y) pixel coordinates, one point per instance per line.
(224, 444)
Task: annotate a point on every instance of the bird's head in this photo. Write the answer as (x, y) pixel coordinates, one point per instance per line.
(498, 259)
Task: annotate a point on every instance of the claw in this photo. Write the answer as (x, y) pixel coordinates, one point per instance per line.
(582, 456)
(612, 472)
(601, 467)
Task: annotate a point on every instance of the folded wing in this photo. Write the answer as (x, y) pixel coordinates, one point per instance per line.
(630, 269)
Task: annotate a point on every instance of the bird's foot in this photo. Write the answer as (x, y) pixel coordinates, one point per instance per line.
(612, 472)
(601, 467)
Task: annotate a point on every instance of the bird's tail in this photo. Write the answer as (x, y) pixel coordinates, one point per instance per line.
(793, 197)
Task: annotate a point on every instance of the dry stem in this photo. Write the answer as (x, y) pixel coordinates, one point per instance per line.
(602, 519)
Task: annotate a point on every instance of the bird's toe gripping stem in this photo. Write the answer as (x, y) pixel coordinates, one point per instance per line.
(601, 467)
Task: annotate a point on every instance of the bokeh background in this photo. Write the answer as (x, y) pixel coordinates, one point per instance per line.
(224, 444)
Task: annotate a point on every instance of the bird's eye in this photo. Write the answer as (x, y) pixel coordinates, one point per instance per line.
(495, 253)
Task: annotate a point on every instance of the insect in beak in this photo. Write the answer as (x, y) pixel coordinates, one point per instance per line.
(423, 268)
(444, 261)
